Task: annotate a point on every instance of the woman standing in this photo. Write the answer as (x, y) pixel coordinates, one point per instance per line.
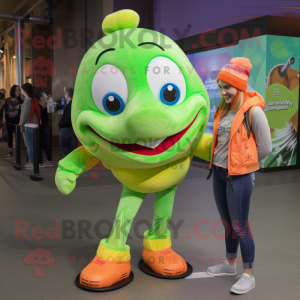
(2, 118)
(44, 129)
(67, 137)
(30, 114)
(236, 153)
(11, 113)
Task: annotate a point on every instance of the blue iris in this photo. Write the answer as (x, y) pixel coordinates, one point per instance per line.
(113, 103)
(169, 94)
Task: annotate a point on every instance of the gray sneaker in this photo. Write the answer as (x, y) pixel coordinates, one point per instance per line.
(222, 269)
(243, 285)
(9, 156)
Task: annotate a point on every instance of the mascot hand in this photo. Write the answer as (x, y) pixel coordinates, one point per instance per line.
(65, 180)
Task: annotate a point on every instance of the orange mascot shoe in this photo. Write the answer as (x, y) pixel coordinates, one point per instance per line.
(159, 256)
(110, 265)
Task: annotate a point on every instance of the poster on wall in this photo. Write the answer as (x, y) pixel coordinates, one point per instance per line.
(209, 63)
(282, 99)
(274, 74)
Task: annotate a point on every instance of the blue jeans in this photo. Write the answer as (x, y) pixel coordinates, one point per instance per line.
(233, 202)
(28, 139)
(67, 140)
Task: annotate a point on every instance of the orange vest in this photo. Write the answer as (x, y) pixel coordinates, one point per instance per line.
(242, 152)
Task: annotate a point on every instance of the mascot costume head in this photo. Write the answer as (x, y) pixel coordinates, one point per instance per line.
(140, 108)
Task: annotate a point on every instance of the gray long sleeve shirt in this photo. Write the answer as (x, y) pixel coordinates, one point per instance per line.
(260, 130)
(25, 113)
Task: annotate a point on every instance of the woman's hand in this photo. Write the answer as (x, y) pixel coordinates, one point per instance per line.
(43, 103)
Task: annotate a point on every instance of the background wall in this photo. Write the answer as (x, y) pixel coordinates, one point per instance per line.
(80, 24)
(31, 30)
(179, 19)
(143, 8)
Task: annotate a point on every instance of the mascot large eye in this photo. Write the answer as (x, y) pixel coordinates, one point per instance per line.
(166, 81)
(110, 90)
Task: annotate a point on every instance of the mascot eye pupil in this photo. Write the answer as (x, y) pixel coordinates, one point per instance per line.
(36, 68)
(113, 104)
(44, 68)
(170, 94)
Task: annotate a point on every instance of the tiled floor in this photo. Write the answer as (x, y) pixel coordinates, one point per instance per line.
(29, 209)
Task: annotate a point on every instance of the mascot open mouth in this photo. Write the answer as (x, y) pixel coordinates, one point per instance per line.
(160, 146)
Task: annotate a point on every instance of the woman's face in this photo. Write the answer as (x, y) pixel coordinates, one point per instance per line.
(67, 96)
(23, 92)
(227, 91)
(17, 92)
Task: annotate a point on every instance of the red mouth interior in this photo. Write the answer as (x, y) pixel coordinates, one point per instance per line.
(142, 150)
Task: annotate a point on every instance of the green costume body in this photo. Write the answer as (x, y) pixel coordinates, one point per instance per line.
(130, 91)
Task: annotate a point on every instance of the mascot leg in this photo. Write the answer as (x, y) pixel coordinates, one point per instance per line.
(157, 253)
(112, 261)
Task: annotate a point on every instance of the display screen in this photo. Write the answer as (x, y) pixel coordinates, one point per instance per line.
(62, 101)
(282, 98)
(274, 75)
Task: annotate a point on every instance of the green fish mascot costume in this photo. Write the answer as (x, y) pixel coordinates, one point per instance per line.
(140, 110)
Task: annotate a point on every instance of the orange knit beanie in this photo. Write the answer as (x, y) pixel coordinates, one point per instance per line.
(236, 73)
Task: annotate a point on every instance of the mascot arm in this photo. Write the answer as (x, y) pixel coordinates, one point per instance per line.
(203, 148)
(69, 168)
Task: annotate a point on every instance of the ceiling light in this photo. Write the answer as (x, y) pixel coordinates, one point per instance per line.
(14, 57)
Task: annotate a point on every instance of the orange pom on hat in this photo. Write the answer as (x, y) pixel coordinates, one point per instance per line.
(236, 73)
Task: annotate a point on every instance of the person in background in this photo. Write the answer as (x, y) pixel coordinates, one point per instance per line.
(2, 102)
(3, 138)
(46, 97)
(44, 128)
(11, 113)
(67, 137)
(30, 114)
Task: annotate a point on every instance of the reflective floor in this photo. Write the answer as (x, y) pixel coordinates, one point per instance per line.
(69, 228)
